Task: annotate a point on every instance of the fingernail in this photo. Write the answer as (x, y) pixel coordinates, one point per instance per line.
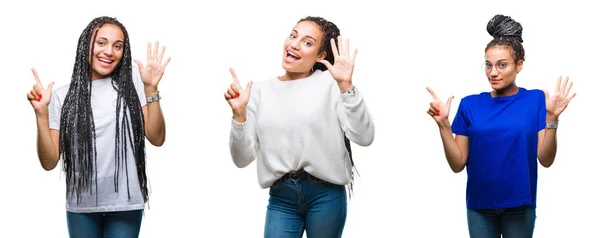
(237, 95)
(40, 97)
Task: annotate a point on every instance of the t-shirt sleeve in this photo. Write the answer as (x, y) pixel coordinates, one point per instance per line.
(139, 85)
(542, 110)
(54, 109)
(460, 123)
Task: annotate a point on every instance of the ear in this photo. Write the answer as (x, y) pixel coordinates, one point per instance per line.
(519, 66)
(321, 56)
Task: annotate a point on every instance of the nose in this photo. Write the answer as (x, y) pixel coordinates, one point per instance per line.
(108, 50)
(296, 44)
(494, 71)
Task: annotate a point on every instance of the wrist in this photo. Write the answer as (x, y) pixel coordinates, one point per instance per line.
(551, 118)
(239, 115)
(41, 112)
(150, 90)
(345, 86)
(445, 124)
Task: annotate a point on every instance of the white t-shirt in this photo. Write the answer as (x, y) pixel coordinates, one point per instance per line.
(103, 102)
(300, 124)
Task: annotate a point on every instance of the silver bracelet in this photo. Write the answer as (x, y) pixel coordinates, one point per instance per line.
(153, 98)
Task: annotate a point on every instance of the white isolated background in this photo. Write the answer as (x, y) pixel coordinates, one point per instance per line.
(406, 188)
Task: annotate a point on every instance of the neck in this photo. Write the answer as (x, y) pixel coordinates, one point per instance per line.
(295, 75)
(508, 91)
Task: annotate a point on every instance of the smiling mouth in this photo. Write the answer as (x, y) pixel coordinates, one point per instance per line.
(105, 61)
(290, 54)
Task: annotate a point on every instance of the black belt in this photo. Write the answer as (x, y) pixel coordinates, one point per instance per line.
(297, 175)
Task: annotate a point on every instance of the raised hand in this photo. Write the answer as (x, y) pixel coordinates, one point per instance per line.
(39, 97)
(558, 102)
(343, 65)
(236, 96)
(438, 110)
(155, 68)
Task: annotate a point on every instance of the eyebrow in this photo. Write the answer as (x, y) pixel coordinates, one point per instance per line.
(104, 38)
(498, 60)
(305, 35)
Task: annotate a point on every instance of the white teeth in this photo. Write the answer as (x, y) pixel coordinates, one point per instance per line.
(105, 60)
(293, 54)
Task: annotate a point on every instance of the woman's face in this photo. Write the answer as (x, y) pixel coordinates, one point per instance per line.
(500, 67)
(108, 51)
(301, 48)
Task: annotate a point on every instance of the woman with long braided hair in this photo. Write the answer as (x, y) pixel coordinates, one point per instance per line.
(98, 125)
(298, 127)
(500, 136)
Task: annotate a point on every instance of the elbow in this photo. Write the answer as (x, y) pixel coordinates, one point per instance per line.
(48, 166)
(546, 163)
(156, 140)
(546, 160)
(457, 169)
(157, 143)
(366, 140)
(240, 163)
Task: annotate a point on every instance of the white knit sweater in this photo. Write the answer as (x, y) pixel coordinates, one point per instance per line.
(300, 124)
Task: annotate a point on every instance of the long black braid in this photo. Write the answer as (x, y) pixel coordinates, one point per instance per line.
(77, 128)
(331, 31)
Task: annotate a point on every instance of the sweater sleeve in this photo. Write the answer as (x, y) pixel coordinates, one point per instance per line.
(355, 119)
(243, 140)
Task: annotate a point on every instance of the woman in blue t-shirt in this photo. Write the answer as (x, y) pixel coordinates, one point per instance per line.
(500, 136)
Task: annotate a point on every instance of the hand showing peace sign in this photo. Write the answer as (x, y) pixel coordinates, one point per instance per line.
(236, 96)
(558, 102)
(437, 109)
(38, 96)
(343, 65)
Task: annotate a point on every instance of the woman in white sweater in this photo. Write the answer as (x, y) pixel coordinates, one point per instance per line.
(299, 126)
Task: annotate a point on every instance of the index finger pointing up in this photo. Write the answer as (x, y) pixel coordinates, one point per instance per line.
(435, 96)
(235, 78)
(35, 75)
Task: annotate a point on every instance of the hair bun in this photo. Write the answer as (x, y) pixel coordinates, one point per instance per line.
(504, 26)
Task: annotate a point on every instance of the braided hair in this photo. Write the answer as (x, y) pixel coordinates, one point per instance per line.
(506, 32)
(331, 31)
(77, 129)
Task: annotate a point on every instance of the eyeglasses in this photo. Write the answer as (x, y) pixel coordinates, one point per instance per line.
(500, 66)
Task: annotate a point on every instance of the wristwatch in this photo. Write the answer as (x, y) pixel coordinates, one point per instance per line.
(351, 91)
(153, 98)
(552, 125)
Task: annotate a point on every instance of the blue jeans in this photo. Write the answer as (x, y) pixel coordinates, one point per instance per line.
(310, 204)
(515, 222)
(124, 224)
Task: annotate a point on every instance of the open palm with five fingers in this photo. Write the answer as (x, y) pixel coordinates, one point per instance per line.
(236, 96)
(343, 65)
(558, 102)
(155, 68)
(39, 97)
(439, 110)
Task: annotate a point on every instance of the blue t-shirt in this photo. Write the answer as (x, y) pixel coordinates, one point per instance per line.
(503, 141)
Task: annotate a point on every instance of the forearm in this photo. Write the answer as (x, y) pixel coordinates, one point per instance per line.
(547, 152)
(358, 123)
(454, 156)
(46, 149)
(243, 147)
(155, 122)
